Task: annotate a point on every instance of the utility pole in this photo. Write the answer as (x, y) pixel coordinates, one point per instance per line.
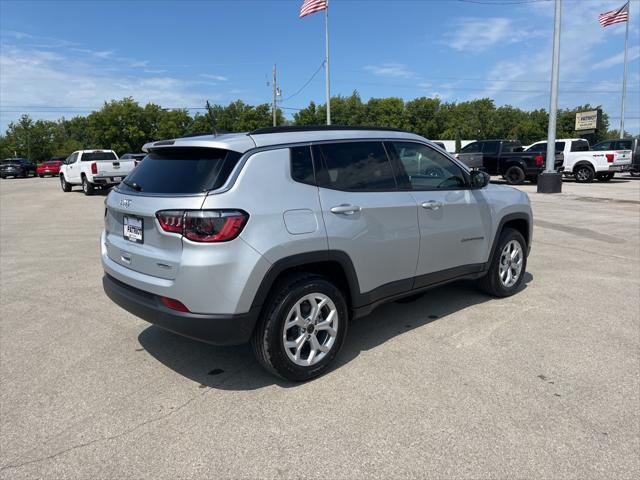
(275, 94)
(550, 181)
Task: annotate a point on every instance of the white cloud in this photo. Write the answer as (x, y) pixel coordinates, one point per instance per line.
(478, 34)
(633, 53)
(218, 78)
(32, 77)
(395, 70)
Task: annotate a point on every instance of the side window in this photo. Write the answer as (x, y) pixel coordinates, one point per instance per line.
(538, 147)
(580, 146)
(490, 148)
(355, 166)
(510, 147)
(302, 165)
(623, 145)
(72, 158)
(427, 168)
(471, 148)
(603, 146)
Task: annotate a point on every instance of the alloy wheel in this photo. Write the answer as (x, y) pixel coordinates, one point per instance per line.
(511, 260)
(310, 329)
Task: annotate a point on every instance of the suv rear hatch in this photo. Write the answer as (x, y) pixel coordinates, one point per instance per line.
(171, 179)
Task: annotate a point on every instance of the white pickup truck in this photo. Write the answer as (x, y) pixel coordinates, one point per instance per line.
(93, 168)
(585, 164)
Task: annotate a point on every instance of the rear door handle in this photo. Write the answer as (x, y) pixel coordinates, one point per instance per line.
(432, 205)
(345, 209)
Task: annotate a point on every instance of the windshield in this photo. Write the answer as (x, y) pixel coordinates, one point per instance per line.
(97, 156)
(181, 170)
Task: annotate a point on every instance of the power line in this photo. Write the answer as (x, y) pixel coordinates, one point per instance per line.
(307, 83)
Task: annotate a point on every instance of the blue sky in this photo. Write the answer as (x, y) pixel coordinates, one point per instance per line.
(62, 58)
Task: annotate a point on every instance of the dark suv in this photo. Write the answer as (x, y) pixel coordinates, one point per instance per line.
(16, 167)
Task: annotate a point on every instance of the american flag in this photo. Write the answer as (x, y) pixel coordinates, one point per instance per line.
(615, 16)
(312, 6)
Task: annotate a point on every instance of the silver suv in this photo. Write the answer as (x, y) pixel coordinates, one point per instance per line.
(283, 235)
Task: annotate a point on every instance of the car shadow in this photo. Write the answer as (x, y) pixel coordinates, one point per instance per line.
(98, 192)
(235, 368)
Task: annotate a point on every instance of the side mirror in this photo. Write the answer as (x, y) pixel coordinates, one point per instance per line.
(479, 179)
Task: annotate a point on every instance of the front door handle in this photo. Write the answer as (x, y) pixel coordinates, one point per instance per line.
(345, 209)
(432, 205)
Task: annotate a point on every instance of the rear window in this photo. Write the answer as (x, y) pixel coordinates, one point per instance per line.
(181, 170)
(580, 146)
(97, 156)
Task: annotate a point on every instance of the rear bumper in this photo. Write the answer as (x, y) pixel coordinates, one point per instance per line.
(110, 180)
(216, 329)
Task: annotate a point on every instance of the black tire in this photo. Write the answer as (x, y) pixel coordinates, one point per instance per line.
(66, 187)
(267, 340)
(634, 174)
(24, 174)
(41, 175)
(605, 177)
(514, 175)
(87, 187)
(491, 282)
(583, 173)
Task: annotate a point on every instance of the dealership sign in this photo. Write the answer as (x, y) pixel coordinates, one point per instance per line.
(591, 120)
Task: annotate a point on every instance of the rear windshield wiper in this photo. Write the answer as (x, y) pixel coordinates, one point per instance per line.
(133, 185)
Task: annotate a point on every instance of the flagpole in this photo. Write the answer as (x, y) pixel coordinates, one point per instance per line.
(624, 78)
(326, 62)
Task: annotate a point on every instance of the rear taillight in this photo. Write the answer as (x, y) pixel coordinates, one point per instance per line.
(609, 157)
(204, 225)
(94, 168)
(539, 159)
(171, 220)
(173, 304)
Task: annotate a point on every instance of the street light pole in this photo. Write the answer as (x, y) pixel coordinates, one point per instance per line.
(550, 181)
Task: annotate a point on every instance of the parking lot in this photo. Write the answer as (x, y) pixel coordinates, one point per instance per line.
(542, 384)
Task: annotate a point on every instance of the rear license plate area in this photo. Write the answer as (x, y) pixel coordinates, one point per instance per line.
(133, 229)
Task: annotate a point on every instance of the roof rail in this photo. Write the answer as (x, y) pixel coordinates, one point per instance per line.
(315, 128)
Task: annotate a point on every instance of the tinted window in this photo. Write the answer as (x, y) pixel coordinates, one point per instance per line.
(302, 165)
(181, 170)
(97, 156)
(427, 168)
(624, 145)
(510, 147)
(490, 147)
(356, 166)
(603, 146)
(471, 148)
(580, 146)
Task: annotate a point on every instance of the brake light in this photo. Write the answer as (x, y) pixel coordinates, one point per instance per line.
(539, 159)
(94, 168)
(171, 220)
(173, 304)
(609, 157)
(207, 226)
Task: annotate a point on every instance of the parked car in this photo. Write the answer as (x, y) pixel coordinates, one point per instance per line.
(50, 167)
(506, 158)
(16, 167)
(196, 241)
(632, 144)
(584, 164)
(133, 156)
(93, 168)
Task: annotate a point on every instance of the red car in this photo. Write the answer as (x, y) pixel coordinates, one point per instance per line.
(50, 167)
